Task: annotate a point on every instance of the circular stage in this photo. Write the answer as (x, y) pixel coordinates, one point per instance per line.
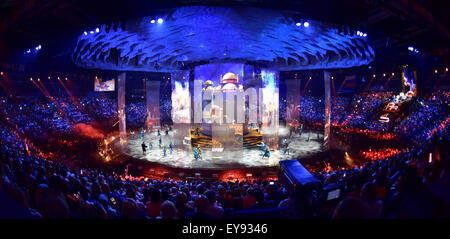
(245, 157)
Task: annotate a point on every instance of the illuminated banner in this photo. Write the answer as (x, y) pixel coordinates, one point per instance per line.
(326, 134)
(409, 80)
(100, 85)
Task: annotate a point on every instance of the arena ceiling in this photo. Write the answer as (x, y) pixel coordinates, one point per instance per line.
(196, 34)
(392, 26)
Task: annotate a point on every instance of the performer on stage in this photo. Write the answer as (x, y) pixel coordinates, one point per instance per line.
(309, 136)
(263, 147)
(150, 145)
(159, 133)
(167, 131)
(286, 147)
(144, 147)
(171, 147)
(266, 153)
(164, 150)
(196, 133)
(132, 134)
(142, 133)
(196, 154)
(160, 141)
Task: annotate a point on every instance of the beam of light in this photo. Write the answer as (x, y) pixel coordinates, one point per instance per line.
(342, 85)
(306, 85)
(49, 97)
(368, 84)
(71, 97)
(7, 87)
(387, 82)
(334, 89)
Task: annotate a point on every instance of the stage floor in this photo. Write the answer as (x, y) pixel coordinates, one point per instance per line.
(231, 159)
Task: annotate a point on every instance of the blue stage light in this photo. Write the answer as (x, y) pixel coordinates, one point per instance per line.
(85, 33)
(92, 32)
(97, 29)
(365, 35)
(160, 20)
(152, 21)
(306, 24)
(298, 24)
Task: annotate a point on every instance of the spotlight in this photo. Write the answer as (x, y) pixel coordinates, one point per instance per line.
(358, 32)
(435, 71)
(39, 79)
(28, 51)
(152, 21)
(97, 29)
(160, 20)
(446, 69)
(306, 24)
(373, 75)
(85, 33)
(1, 73)
(49, 77)
(393, 74)
(384, 74)
(92, 32)
(298, 24)
(365, 35)
(410, 48)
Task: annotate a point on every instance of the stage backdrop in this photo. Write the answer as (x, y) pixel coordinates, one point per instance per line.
(181, 108)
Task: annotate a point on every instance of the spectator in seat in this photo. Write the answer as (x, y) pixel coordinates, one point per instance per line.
(350, 208)
(212, 207)
(153, 207)
(248, 199)
(260, 202)
(168, 210)
(201, 203)
(369, 196)
(181, 205)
